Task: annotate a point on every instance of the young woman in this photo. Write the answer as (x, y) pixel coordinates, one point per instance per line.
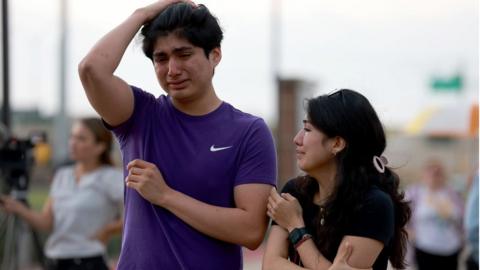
(348, 195)
(84, 206)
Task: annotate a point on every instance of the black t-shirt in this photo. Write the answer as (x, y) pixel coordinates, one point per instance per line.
(374, 220)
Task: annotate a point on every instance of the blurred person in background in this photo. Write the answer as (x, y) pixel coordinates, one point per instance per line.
(435, 230)
(84, 206)
(198, 170)
(41, 171)
(348, 194)
(471, 224)
(42, 151)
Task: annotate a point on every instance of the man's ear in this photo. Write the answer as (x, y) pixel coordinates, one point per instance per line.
(215, 56)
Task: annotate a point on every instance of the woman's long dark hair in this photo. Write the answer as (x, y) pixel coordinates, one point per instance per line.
(348, 114)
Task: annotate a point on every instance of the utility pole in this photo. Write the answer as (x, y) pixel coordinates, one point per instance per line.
(275, 36)
(61, 125)
(5, 67)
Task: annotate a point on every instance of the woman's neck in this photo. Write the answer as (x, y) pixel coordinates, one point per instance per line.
(326, 183)
(84, 167)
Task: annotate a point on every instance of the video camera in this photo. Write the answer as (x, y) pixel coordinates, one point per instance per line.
(15, 163)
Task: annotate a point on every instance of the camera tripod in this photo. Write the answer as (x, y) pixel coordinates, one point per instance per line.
(16, 238)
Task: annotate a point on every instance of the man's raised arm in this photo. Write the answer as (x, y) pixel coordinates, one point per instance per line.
(109, 95)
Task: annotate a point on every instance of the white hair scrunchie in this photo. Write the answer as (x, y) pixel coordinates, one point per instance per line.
(380, 162)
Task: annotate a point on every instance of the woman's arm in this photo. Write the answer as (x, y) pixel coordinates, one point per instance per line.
(39, 220)
(364, 250)
(276, 252)
(113, 228)
(287, 212)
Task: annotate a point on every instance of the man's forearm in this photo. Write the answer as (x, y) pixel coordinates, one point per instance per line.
(233, 225)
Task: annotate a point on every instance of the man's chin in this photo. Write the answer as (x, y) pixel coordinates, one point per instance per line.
(178, 93)
(181, 96)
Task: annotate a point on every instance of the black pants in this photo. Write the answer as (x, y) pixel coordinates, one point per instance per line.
(471, 263)
(89, 263)
(428, 261)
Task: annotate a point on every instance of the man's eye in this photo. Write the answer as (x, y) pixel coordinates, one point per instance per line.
(160, 59)
(306, 129)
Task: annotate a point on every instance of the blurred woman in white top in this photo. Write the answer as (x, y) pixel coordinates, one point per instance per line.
(84, 206)
(436, 230)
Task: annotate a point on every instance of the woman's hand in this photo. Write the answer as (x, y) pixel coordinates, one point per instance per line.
(10, 205)
(102, 236)
(285, 210)
(105, 233)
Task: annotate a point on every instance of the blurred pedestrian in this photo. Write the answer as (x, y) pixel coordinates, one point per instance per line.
(471, 224)
(435, 230)
(83, 209)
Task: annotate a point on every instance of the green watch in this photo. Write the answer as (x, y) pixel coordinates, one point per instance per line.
(296, 235)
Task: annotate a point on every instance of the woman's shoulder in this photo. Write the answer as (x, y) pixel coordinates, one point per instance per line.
(109, 179)
(375, 217)
(65, 168)
(109, 171)
(292, 185)
(299, 188)
(64, 172)
(376, 197)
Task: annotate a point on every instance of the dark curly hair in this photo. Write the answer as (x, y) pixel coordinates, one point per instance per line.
(348, 114)
(194, 23)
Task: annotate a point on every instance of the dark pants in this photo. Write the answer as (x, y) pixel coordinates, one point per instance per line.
(428, 261)
(471, 263)
(89, 263)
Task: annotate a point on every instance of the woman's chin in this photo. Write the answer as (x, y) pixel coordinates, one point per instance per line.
(301, 166)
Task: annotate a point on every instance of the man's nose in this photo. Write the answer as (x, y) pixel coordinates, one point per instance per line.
(173, 67)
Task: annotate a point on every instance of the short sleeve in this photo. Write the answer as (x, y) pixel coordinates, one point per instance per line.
(142, 102)
(289, 187)
(258, 160)
(60, 180)
(375, 219)
(114, 185)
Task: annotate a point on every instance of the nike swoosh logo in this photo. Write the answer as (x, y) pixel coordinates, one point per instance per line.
(215, 149)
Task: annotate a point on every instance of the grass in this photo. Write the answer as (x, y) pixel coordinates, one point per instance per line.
(37, 196)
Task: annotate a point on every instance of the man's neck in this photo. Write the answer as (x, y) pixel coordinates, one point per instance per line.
(199, 106)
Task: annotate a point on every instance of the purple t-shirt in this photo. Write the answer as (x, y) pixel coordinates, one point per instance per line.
(204, 157)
